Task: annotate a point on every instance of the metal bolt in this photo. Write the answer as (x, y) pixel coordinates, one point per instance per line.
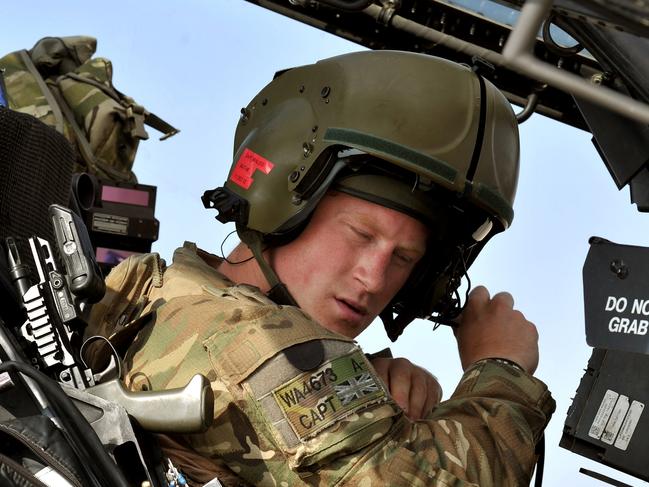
(65, 376)
(597, 79)
(324, 92)
(307, 148)
(69, 247)
(314, 128)
(619, 268)
(296, 200)
(302, 89)
(295, 175)
(264, 102)
(245, 115)
(302, 168)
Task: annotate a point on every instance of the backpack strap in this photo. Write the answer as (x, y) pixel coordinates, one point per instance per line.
(24, 56)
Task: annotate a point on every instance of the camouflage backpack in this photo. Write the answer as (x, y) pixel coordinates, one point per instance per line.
(59, 83)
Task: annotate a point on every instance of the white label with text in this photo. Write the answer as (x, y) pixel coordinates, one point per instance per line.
(603, 413)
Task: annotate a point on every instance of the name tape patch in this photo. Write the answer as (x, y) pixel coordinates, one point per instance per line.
(248, 163)
(315, 400)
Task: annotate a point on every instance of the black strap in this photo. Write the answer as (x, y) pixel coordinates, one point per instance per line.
(280, 294)
(603, 478)
(540, 451)
(477, 149)
(153, 121)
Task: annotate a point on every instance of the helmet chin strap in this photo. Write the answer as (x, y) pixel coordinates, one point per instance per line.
(303, 356)
(278, 292)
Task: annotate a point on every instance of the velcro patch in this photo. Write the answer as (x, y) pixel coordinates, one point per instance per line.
(315, 400)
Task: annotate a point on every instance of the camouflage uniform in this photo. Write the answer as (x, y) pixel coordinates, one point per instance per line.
(280, 426)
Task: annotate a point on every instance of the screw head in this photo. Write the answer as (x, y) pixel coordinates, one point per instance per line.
(245, 115)
(619, 268)
(69, 247)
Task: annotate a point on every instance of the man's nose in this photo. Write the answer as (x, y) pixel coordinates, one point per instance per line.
(371, 269)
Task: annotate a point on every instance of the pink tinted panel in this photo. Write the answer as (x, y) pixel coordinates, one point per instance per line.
(125, 195)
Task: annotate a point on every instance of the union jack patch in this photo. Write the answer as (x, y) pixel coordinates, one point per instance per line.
(355, 388)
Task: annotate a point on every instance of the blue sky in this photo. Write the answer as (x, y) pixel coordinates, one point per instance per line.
(196, 63)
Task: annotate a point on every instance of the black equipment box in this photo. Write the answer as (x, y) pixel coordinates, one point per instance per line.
(606, 421)
(119, 217)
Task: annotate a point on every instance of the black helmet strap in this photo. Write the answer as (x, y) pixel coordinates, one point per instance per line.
(279, 293)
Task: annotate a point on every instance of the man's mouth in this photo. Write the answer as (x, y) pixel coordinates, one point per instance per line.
(353, 306)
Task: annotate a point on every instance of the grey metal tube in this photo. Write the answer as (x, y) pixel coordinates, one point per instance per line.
(516, 56)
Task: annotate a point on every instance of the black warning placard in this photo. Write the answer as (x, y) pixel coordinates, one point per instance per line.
(616, 296)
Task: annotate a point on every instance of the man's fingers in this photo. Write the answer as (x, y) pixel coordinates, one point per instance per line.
(414, 389)
(478, 299)
(493, 328)
(397, 375)
(479, 296)
(425, 393)
(400, 388)
(504, 298)
(418, 399)
(433, 397)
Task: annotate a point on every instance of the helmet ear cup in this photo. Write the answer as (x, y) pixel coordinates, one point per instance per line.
(431, 292)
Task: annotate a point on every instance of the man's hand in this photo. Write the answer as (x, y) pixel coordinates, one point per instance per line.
(413, 388)
(492, 328)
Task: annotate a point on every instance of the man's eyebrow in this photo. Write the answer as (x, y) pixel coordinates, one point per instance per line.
(420, 251)
(370, 222)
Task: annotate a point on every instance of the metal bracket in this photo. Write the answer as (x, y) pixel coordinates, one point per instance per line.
(517, 56)
(517, 53)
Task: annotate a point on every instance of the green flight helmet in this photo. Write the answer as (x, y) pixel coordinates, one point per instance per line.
(426, 123)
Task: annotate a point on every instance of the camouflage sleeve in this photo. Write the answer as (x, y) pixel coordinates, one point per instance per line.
(484, 435)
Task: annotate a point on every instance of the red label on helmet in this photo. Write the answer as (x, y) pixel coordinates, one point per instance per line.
(245, 167)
